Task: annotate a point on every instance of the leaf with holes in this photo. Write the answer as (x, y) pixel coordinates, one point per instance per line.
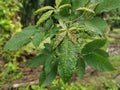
(67, 62)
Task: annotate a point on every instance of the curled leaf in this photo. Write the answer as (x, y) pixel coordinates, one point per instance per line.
(43, 9)
(44, 17)
(65, 5)
(72, 36)
(59, 38)
(72, 29)
(58, 2)
(85, 9)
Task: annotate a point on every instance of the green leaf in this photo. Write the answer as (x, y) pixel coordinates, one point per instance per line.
(79, 3)
(64, 12)
(67, 62)
(46, 79)
(96, 25)
(76, 4)
(97, 1)
(42, 77)
(102, 53)
(98, 62)
(38, 37)
(44, 17)
(50, 64)
(43, 9)
(37, 61)
(107, 5)
(81, 68)
(48, 48)
(50, 76)
(20, 39)
(48, 24)
(93, 45)
(65, 2)
(45, 55)
(57, 2)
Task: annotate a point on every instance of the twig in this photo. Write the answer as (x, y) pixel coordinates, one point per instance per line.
(23, 84)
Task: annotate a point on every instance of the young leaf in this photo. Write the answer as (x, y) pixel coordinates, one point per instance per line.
(85, 9)
(98, 62)
(81, 68)
(21, 38)
(72, 36)
(96, 25)
(59, 39)
(44, 17)
(92, 46)
(62, 24)
(67, 60)
(107, 5)
(65, 11)
(57, 2)
(64, 5)
(93, 6)
(43, 9)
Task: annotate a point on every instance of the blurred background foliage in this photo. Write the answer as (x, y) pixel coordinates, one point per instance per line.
(9, 19)
(9, 25)
(17, 14)
(27, 9)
